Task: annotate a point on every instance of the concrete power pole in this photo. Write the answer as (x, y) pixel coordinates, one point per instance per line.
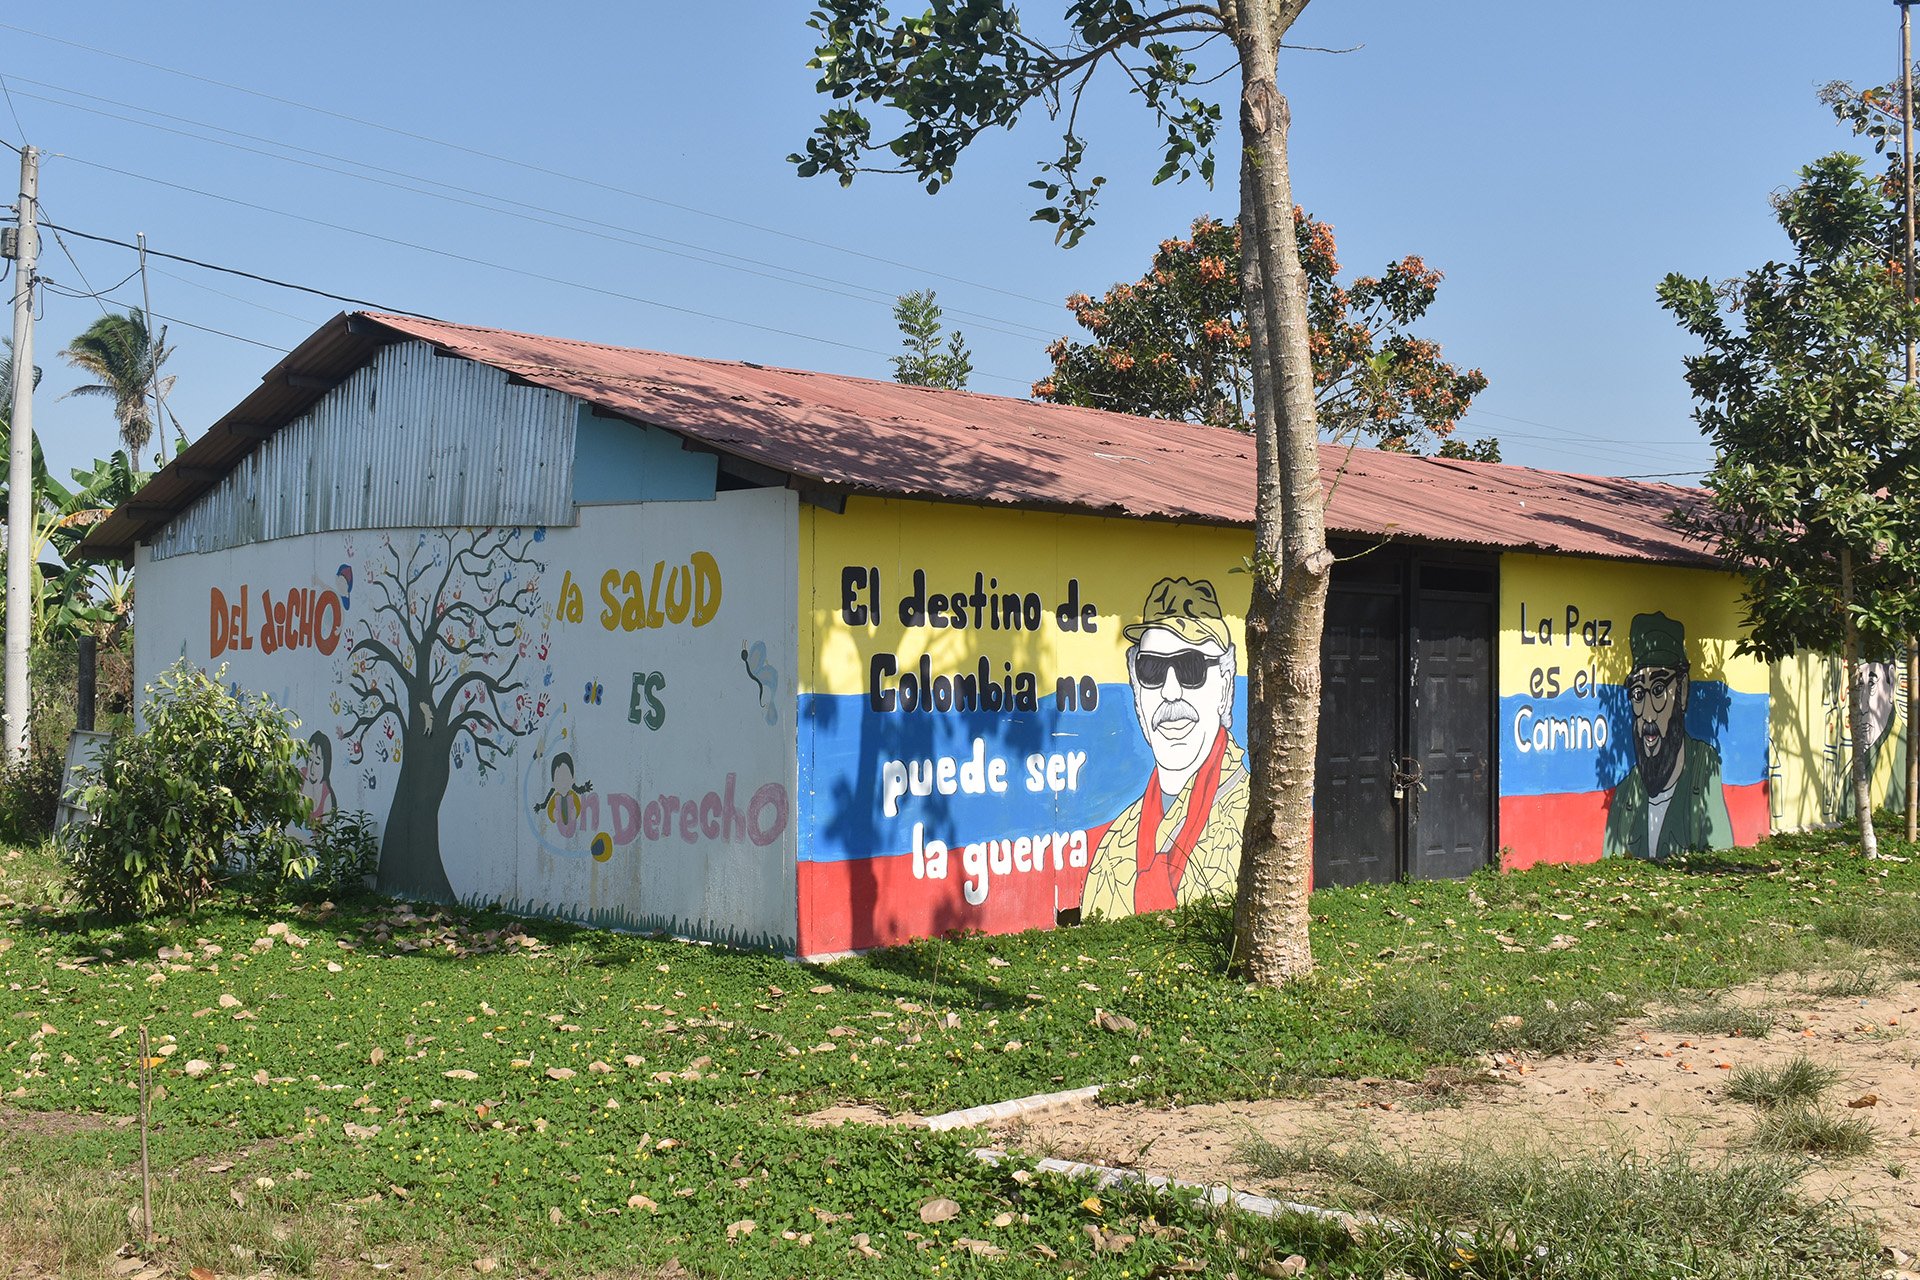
(20, 568)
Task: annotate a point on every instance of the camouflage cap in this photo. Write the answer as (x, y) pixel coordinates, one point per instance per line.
(1657, 641)
(1185, 607)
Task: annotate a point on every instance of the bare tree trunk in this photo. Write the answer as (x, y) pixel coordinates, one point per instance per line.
(1913, 757)
(1290, 544)
(1856, 673)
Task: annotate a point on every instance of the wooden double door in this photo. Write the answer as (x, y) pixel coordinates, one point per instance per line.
(1404, 781)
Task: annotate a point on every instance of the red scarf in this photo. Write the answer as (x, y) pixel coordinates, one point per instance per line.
(1157, 875)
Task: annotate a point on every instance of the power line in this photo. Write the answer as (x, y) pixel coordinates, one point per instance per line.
(452, 256)
(1560, 433)
(78, 269)
(490, 203)
(14, 111)
(51, 287)
(527, 166)
(245, 302)
(89, 291)
(235, 271)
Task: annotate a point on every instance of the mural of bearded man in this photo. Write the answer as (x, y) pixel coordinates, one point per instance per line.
(1672, 799)
(1180, 841)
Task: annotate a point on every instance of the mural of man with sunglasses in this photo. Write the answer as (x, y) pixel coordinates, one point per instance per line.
(1180, 841)
(1672, 798)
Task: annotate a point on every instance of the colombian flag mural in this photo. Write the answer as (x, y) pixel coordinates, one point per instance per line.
(1005, 715)
(1627, 725)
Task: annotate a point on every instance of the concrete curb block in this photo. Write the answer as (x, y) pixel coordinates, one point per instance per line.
(990, 1112)
(1107, 1176)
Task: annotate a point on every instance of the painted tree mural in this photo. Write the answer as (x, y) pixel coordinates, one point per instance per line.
(436, 675)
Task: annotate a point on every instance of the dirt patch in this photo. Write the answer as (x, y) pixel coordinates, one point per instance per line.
(854, 1113)
(1644, 1090)
(54, 1124)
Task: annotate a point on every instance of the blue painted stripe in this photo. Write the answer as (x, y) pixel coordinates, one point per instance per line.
(1589, 739)
(844, 746)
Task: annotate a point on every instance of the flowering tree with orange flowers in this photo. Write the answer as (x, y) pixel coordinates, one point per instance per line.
(1174, 344)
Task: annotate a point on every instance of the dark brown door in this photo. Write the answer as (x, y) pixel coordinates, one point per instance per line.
(1356, 824)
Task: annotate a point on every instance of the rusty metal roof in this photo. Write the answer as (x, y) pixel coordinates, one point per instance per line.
(829, 434)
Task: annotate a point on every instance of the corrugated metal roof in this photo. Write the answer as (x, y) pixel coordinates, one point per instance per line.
(839, 434)
(394, 445)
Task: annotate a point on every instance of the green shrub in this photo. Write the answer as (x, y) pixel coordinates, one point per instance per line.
(208, 788)
(30, 795)
(30, 790)
(345, 851)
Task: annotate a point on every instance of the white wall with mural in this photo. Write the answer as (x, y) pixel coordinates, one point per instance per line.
(593, 722)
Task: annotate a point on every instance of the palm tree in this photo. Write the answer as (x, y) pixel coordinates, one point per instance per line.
(119, 351)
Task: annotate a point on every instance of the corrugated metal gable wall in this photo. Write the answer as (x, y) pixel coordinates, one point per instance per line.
(409, 439)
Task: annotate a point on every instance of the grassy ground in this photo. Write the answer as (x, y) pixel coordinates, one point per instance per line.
(359, 1085)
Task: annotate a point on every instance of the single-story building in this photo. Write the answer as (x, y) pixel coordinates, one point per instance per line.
(819, 663)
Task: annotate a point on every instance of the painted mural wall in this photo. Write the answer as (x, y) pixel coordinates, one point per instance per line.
(591, 722)
(1008, 714)
(1627, 725)
(1809, 781)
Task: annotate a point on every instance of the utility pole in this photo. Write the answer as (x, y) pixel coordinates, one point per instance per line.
(153, 350)
(1906, 166)
(20, 567)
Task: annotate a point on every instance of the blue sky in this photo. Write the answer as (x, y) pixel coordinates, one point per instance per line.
(617, 173)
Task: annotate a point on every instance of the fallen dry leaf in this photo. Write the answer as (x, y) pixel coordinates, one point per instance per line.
(560, 1073)
(939, 1210)
(744, 1227)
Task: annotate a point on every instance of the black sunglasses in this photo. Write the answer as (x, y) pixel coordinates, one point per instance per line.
(1190, 666)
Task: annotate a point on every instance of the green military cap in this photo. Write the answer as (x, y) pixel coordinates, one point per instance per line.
(1187, 608)
(1657, 641)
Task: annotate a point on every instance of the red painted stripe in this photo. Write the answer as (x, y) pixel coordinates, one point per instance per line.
(1570, 828)
(875, 902)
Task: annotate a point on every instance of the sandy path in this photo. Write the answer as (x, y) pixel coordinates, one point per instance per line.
(1644, 1090)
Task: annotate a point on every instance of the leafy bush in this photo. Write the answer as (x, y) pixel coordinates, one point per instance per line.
(345, 851)
(209, 787)
(30, 795)
(30, 790)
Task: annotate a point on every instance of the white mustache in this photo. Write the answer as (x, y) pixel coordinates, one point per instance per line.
(1178, 709)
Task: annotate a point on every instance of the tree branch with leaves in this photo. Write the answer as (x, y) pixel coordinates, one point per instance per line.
(1814, 436)
(1175, 344)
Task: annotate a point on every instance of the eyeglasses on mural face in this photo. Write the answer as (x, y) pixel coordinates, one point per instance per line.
(1652, 690)
(1189, 666)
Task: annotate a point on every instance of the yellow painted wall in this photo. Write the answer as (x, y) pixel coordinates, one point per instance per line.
(1706, 602)
(898, 836)
(1812, 744)
(1115, 562)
